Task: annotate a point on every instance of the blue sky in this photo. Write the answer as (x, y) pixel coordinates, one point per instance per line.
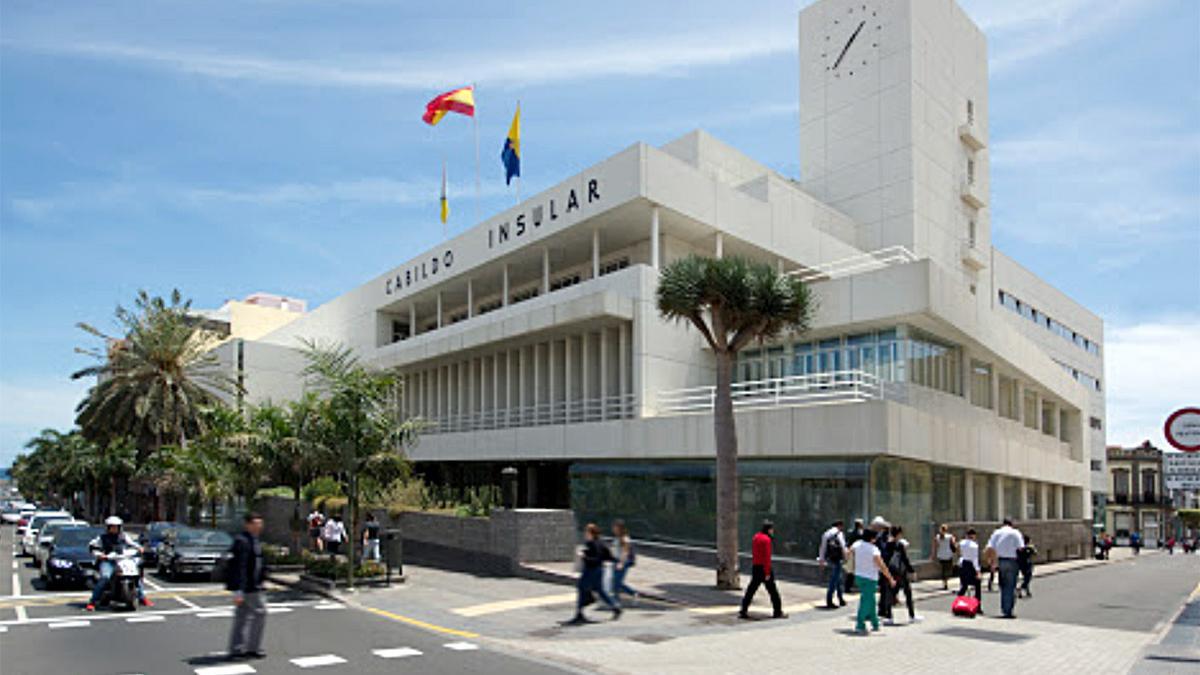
(227, 147)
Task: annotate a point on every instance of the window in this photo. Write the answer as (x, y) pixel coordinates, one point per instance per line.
(1040, 318)
(1009, 403)
(1097, 465)
(981, 384)
(1031, 409)
(1120, 479)
(970, 111)
(934, 364)
(613, 265)
(565, 281)
(971, 233)
(458, 316)
(522, 296)
(1149, 486)
(1048, 418)
(1094, 422)
(489, 306)
(399, 331)
(970, 172)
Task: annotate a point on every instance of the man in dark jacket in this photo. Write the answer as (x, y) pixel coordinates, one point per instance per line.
(245, 579)
(591, 576)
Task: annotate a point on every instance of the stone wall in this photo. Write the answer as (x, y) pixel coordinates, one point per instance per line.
(1054, 539)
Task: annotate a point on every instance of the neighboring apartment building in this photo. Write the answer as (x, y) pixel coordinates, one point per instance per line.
(1181, 475)
(1137, 501)
(532, 339)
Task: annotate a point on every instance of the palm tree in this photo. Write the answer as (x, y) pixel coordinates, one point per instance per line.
(286, 438)
(359, 425)
(154, 377)
(731, 301)
(109, 462)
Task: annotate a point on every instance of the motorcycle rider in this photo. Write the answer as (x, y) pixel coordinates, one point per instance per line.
(112, 542)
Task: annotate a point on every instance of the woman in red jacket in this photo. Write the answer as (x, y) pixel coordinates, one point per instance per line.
(761, 573)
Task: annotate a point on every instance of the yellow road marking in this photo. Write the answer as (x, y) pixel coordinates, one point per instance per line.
(421, 624)
(509, 605)
(1195, 593)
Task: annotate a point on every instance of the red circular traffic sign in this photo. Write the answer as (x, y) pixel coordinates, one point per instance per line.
(1183, 429)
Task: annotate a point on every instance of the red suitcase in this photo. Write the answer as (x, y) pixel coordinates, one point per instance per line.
(965, 605)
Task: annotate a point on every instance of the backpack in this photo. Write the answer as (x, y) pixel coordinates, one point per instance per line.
(834, 553)
(895, 561)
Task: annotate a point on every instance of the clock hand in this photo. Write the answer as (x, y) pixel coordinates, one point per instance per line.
(848, 43)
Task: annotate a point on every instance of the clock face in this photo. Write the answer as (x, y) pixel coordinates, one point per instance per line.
(851, 39)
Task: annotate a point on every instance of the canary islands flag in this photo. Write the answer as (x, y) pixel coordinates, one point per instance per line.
(461, 101)
(511, 155)
(445, 201)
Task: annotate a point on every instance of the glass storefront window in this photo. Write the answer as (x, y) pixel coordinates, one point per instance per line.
(902, 492)
(984, 489)
(949, 495)
(1012, 498)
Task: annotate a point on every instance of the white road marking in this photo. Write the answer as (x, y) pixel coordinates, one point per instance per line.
(151, 583)
(146, 619)
(69, 624)
(15, 565)
(520, 603)
(113, 617)
(397, 653)
(3, 629)
(85, 594)
(329, 605)
(186, 602)
(22, 615)
(278, 610)
(16, 585)
(221, 614)
(237, 669)
(318, 661)
(292, 603)
(461, 646)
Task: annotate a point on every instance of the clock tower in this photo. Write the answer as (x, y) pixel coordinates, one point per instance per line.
(893, 126)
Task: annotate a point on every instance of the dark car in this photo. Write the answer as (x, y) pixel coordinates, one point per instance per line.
(69, 560)
(152, 538)
(191, 550)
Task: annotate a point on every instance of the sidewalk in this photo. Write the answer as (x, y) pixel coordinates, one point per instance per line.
(693, 586)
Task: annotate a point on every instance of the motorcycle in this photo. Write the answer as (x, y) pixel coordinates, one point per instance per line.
(127, 573)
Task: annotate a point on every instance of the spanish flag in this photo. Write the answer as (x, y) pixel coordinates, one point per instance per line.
(445, 201)
(460, 101)
(511, 154)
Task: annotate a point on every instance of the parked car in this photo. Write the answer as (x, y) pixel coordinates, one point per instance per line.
(69, 560)
(152, 538)
(14, 511)
(23, 521)
(29, 537)
(46, 535)
(191, 550)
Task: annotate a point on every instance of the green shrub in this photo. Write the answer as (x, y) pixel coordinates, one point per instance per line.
(324, 486)
(277, 491)
(330, 503)
(329, 568)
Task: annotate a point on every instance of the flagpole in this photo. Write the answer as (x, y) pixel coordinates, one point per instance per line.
(475, 117)
(445, 199)
(519, 159)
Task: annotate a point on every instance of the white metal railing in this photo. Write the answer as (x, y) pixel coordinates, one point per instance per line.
(842, 386)
(866, 262)
(616, 407)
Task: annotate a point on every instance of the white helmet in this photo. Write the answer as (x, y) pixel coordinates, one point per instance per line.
(113, 520)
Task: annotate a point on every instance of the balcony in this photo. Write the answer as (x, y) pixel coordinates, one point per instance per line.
(971, 136)
(971, 256)
(844, 386)
(562, 412)
(972, 195)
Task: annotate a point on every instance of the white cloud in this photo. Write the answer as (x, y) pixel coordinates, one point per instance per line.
(1153, 369)
(28, 406)
(643, 56)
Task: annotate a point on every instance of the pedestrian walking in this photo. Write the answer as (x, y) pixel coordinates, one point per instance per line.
(868, 565)
(882, 529)
(944, 548)
(625, 559)
(591, 577)
(1025, 556)
(1107, 545)
(968, 567)
(1135, 542)
(1171, 545)
(334, 533)
(1002, 549)
(832, 555)
(761, 572)
(315, 522)
(854, 535)
(245, 577)
(902, 571)
(370, 539)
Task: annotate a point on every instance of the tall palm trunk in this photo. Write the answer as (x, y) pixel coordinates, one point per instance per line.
(725, 429)
(353, 526)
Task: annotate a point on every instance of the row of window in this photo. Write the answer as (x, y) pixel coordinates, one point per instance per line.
(1080, 376)
(1040, 318)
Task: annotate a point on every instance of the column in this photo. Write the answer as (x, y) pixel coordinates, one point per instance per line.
(720, 248)
(412, 319)
(469, 408)
(1020, 400)
(521, 379)
(545, 270)
(482, 384)
(1044, 501)
(999, 482)
(595, 253)
(622, 371)
(551, 397)
(495, 389)
(504, 287)
(584, 393)
(508, 379)
(1037, 411)
(536, 354)
(423, 384)
(654, 238)
(969, 495)
(1059, 502)
(567, 377)
(438, 395)
(470, 299)
(1023, 495)
(603, 372)
(439, 309)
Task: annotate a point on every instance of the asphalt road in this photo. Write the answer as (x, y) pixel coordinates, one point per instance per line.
(187, 631)
(1141, 594)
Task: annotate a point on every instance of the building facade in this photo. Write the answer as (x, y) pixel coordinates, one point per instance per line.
(1181, 476)
(933, 386)
(1137, 499)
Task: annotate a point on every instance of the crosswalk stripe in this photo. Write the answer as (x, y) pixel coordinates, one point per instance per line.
(237, 669)
(146, 619)
(397, 653)
(221, 614)
(329, 605)
(461, 646)
(70, 624)
(278, 610)
(318, 661)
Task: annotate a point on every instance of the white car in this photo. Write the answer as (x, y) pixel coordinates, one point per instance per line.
(23, 517)
(30, 538)
(12, 513)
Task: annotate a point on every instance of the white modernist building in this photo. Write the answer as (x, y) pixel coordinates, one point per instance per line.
(941, 382)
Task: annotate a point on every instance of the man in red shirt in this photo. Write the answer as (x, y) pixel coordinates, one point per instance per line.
(761, 573)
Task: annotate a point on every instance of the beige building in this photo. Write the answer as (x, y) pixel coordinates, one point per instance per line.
(941, 381)
(1137, 500)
